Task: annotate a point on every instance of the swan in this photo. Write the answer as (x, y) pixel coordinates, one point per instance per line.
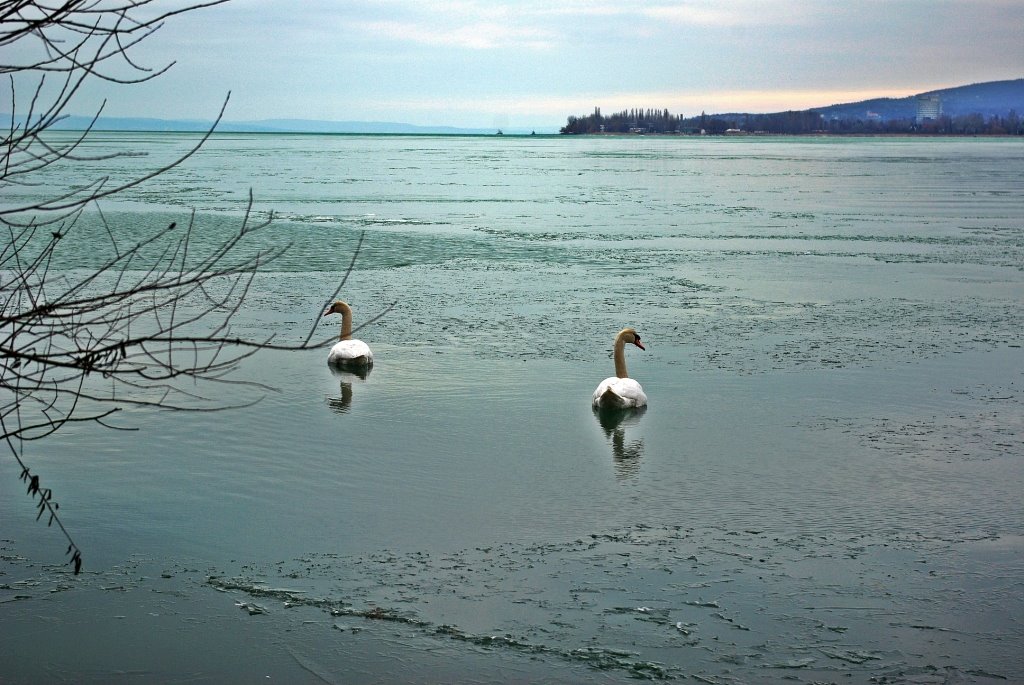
(620, 391)
(348, 352)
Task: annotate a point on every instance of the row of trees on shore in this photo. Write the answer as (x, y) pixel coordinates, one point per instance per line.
(644, 121)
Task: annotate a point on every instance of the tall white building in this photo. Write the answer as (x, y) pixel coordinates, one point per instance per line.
(928, 107)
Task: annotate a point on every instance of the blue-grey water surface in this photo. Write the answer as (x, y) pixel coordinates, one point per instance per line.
(826, 486)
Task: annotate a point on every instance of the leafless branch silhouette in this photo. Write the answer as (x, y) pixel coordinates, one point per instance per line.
(152, 325)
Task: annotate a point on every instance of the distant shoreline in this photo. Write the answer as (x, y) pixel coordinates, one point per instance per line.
(822, 134)
(688, 136)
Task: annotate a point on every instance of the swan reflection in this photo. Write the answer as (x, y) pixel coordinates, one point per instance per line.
(614, 422)
(346, 377)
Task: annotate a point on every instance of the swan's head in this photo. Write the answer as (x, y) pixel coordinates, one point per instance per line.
(630, 335)
(338, 307)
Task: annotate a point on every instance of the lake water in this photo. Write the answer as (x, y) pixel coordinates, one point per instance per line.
(826, 486)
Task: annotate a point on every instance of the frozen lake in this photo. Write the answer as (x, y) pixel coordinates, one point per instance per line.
(826, 486)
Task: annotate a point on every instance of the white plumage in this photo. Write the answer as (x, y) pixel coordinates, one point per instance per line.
(350, 353)
(619, 393)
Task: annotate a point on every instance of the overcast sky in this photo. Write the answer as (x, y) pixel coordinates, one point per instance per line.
(505, 63)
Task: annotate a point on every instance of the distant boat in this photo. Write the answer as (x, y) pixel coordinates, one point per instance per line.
(499, 133)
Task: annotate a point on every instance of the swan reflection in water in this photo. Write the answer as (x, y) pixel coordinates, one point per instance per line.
(614, 422)
(346, 376)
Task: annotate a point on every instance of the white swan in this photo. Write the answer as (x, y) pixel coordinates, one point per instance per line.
(620, 391)
(348, 352)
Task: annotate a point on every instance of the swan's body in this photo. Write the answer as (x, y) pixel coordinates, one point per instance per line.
(348, 352)
(620, 391)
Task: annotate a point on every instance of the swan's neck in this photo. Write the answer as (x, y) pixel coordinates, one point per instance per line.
(620, 357)
(346, 322)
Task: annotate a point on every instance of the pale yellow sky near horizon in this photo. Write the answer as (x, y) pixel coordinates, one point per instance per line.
(686, 104)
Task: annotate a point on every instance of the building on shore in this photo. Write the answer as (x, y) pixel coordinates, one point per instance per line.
(929, 108)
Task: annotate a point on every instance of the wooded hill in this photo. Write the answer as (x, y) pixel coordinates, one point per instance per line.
(996, 107)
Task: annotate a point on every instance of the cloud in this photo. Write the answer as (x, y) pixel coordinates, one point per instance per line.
(542, 25)
(459, 24)
(707, 13)
(478, 35)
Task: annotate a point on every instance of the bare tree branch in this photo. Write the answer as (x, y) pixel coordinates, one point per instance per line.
(153, 323)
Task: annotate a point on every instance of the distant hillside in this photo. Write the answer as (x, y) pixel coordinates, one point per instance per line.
(994, 98)
(990, 99)
(992, 108)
